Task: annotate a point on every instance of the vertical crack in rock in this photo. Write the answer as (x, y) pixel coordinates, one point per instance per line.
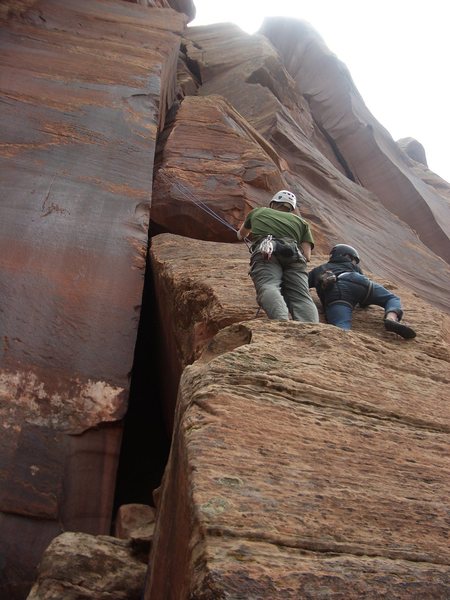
(192, 64)
(335, 148)
(145, 442)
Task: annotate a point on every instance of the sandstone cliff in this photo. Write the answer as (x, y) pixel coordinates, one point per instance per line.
(85, 87)
(305, 461)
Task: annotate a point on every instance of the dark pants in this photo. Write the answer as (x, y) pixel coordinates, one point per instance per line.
(282, 287)
(352, 289)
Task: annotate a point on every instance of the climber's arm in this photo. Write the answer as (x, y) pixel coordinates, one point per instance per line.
(243, 232)
(306, 249)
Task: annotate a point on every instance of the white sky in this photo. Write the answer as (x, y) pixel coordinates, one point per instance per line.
(397, 52)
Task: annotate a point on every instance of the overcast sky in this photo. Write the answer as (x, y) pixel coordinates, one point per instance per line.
(397, 52)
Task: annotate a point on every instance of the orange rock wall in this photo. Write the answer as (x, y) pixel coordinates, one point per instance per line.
(84, 88)
(274, 98)
(305, 459)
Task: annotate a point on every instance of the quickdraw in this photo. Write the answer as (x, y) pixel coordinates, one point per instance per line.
(266, 247)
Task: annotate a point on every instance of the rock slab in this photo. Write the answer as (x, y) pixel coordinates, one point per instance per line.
(306, 461)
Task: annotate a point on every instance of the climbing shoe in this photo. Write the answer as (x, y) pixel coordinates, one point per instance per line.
(400, 329)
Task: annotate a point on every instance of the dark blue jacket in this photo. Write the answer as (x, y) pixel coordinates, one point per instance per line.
(343, 290)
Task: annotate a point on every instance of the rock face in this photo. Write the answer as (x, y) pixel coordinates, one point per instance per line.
(185, 6)
(197, 174)
(77, 566)
(197, 295)
(368, 150)
(306, 461)
(308, 151)
(85, 86)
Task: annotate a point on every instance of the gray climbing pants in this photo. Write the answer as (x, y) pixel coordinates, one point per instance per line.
(282, 287)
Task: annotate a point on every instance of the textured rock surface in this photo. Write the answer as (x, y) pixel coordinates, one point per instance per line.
(185, 6)
(77, 566)
(306, 461)
(84, 88)
(367, 148)
(248, 73)
(201, 288)
(135, 521)
(229, 178)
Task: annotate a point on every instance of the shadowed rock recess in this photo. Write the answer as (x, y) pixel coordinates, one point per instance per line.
(305, 461)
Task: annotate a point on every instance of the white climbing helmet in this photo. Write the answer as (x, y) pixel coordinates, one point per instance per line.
(285, 196)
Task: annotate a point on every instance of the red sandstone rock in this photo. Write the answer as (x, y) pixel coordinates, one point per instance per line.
(184, 6)
(246, 69)
(77, 566)
(135, 521)
(371, 154)
(277, 466)
(85, 85)
(196, 174)
(287, 476)
(196, 300)
(201, 287)
(251, 77)
(305, 459)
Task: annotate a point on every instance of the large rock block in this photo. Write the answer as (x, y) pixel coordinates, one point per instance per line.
(135, 522)
(77, 566)
(203, 188)
(201, 287)
(307, 460)
(85, 86)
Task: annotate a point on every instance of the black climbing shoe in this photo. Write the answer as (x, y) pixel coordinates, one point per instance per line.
(400, 329)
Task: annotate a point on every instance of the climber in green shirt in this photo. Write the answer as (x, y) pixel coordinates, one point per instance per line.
(281, 246)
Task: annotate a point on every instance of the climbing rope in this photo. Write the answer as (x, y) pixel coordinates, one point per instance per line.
(186, 192)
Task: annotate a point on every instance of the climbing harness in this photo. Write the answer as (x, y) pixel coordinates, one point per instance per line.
(186, 192)
(342, 277)
(279, 247)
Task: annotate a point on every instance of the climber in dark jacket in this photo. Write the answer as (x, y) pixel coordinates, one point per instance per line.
(341, 285)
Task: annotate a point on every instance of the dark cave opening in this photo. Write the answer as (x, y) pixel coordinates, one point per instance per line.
(145, 442)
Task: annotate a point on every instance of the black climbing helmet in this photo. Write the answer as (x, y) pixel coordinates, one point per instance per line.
(344, 250)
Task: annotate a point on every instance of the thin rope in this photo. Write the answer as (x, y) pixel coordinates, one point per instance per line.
(190, 196)
(202, 205)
